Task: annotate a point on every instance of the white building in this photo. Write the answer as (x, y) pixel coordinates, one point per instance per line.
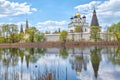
(78, 21)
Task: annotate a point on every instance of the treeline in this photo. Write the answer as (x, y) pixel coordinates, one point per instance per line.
(9, 33)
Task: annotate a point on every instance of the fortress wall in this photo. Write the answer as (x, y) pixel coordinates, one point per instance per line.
(77, 36)
(71, 36)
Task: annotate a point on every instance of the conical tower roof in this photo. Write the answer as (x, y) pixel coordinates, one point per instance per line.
(94, 21)
(95, 68)
(21, 29)
(95, 59)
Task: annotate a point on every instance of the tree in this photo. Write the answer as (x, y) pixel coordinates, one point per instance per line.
(63, 35)
(13, 31)
(5, 31)
(47, 32)
(115, 29)
(34, 35)
(39, 36)
(94, 33)
(30, 32)
(1, 39)
(78, 29)
(10, 32)
(15, 38)
(55, 32)
(21, 36)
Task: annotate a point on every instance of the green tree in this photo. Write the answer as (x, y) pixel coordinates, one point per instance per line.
(15, 38)
(5, 31)
(31, 33)
(39, 36)
(34, 35)
(10, 32)
(55, 32)
(63, 35)
(21, 36)
(1, 39)
(115, 29)
(13, 31)
(78, 29)
(47, 32)
(94, 33)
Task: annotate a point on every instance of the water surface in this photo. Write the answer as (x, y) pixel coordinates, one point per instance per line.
(94, 63)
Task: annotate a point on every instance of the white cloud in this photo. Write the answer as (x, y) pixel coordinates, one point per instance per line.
(8, 8)
(51, 25)
(17, 23)
(86, 8)
(108, 12)
(43, 26)
(33, 9)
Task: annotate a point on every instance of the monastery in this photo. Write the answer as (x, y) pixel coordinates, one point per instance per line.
(84, 34)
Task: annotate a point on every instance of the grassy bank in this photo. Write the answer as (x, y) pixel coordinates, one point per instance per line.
(58, 44)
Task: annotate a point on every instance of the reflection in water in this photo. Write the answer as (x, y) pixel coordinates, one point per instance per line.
(115, 58)
(63, 52)
(60, 64)
(95, 59)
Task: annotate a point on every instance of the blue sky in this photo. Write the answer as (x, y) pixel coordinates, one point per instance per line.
(53, 14)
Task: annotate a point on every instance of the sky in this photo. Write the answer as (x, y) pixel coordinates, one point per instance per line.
(51, 15)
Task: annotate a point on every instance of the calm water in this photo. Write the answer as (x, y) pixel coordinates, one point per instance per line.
(92, 63)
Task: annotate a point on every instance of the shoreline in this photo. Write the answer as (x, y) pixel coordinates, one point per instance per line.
(59, 44)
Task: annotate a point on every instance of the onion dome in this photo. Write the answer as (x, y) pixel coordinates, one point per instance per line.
(78, 72)
(71, 18)
(77, 14)
(84, 16)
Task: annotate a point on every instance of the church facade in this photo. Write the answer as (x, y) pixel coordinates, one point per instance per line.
(78, 21)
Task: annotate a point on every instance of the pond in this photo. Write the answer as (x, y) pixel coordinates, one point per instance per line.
(90, 63)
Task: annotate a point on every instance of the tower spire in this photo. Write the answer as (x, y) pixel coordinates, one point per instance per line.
(27, 23)
(21, 29)
(94, 21)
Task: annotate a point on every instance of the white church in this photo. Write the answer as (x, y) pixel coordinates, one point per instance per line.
(77, 20)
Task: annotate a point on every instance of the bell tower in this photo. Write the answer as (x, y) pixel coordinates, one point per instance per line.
(94, 21)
